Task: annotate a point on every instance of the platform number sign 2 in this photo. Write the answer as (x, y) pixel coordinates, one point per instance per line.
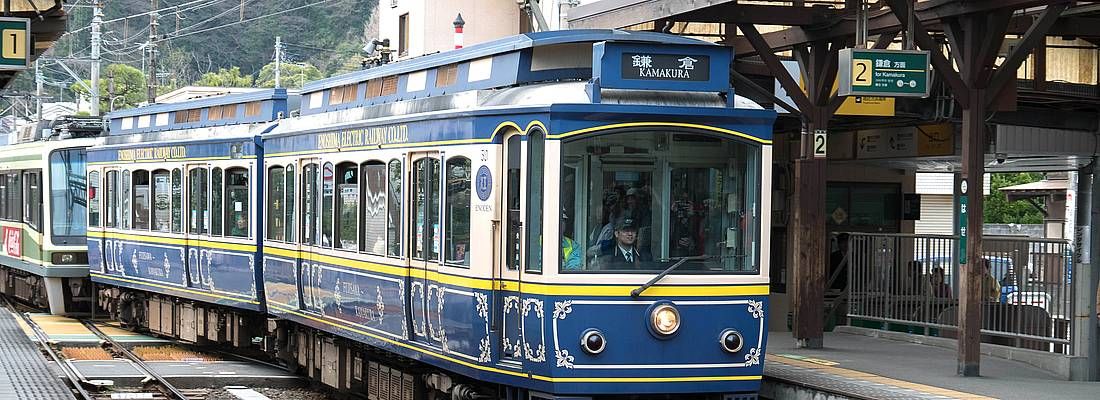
(861, 72)
(820, 143)
(15, 44)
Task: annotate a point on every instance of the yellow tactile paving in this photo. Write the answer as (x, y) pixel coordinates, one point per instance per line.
(825, 367)
(58, 325)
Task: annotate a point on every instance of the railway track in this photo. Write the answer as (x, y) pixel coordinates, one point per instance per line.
(163, 386)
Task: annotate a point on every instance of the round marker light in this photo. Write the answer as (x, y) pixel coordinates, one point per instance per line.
(731, 340)
(665, 319)
(593, 342)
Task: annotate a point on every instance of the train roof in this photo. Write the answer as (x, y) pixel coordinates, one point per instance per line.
(254, 107)
(523, 59)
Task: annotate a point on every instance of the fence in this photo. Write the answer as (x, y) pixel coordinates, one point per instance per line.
(911, 283)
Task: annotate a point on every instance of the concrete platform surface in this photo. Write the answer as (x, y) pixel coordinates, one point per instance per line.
(189, 374)
(919, 367)
(24, 372)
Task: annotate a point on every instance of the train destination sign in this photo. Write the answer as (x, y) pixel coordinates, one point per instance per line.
(667, 67)
(679, 67)
(898, 73)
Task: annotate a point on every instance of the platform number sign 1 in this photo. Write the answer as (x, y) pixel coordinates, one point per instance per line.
(820, 143)
(15, 43)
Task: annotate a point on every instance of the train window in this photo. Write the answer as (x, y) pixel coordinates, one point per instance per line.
(347, 220)
(446, 75)
(162, 198)
(177, 200)
(4, 196)
(198, 218)
(68, 196)
(32, 192)
(236, 195)
(343, 94)
(93, 199)
(374, 88)
(141, 199)
(124, 200)
(252, 109)
(309, 204)
(666, 197)
(393, 208)
(535, 168)
(374, 207)
(328, 185)
(512, 253)
(216, 202)
(389, 85)
(426, 209)
(457, 175)
(110, 207)
(276, 192)
(289, 205)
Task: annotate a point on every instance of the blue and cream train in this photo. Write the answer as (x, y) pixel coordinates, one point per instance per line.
(573, 214)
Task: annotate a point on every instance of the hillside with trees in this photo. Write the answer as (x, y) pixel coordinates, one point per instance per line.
(207, 42)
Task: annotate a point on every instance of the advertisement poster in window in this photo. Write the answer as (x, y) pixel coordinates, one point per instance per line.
(13, 242)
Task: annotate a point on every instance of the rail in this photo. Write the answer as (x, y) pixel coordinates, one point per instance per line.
(44, 342)
(167, 388)
(911, 283)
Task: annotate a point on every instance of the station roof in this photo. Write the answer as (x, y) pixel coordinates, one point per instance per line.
(1041, 188)
(48, 22)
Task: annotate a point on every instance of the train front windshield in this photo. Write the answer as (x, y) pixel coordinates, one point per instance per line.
(68, 200)
(643, 201)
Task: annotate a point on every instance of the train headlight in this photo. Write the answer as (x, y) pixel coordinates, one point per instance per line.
(593, 342)
(69, 258)
(665, 319)
(731, 340)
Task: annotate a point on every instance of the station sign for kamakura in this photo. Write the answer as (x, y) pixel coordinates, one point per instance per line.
(666, 67)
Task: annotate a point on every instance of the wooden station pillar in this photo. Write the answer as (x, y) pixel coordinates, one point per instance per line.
(974, 39)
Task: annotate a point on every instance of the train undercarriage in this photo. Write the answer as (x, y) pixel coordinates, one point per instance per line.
(61, 296)
(349, 369)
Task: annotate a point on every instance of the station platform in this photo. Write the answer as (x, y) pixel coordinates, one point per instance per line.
(25, 374)
(861, 367)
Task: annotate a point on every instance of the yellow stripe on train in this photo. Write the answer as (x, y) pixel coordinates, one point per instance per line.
(464, 281)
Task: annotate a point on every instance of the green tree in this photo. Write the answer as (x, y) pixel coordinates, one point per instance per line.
(225, 78)
(290, 75)
(998, 210)
(127, 91)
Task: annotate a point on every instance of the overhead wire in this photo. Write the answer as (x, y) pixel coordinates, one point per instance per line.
(280, 12)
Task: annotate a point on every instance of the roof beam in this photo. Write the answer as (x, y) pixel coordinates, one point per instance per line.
(1036, 33)
(930, 13)
(759, 14)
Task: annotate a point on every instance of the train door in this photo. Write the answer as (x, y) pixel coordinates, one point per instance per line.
(424, 254)
(312, 182)
(95, 219)
(198, 221)
(507, 272)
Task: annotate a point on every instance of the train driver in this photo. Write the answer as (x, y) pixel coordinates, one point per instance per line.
(624, 254)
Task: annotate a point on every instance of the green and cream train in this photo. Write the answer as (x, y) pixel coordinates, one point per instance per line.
(43, 211)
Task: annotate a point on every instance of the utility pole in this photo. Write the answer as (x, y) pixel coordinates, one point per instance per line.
(37, 91)
(278, 59)
(151, 94)
(97, 37)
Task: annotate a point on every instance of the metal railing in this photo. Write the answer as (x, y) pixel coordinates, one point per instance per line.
(911, 283)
